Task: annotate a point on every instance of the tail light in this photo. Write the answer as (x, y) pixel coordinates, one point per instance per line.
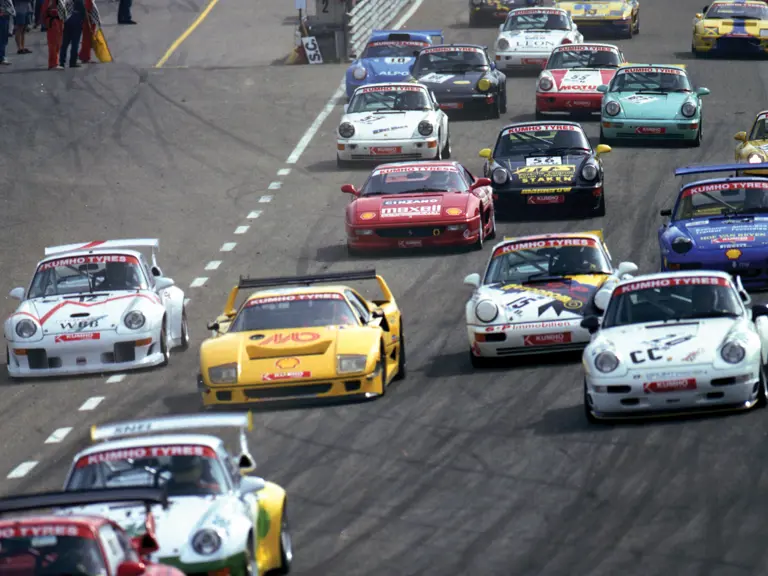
(565, 41)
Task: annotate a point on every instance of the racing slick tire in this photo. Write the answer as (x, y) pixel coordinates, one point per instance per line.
(494, 110)
(402, 360)
(540, 115)
(587, 411)
(696, 142)
(630, 33)
(286, 544)
(503, 101)
(492, 233)
(600, 210)
(439, 153)
(383, 361)
(165, 350)
(184, 345)
(447, 147)
(637, 25)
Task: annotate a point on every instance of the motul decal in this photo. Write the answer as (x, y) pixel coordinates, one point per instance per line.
(77, 337)
(670, 385)
(552, 339)
(140, 452)
(673, 281)
(278, 376)
(300, 337)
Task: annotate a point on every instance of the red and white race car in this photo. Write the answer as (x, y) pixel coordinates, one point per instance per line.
(420, 204)
(570, 79)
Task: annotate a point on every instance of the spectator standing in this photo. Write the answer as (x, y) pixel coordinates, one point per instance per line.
(51, 13)
(124, 12)
(21, 20)
(7, 11)
(74, 15)
(91, 23)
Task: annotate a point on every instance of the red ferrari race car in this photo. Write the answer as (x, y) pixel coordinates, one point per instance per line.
(53, 544)
(570, 79)
(420, 204)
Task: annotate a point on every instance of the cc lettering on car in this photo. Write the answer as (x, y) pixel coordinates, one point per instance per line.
(637, 355)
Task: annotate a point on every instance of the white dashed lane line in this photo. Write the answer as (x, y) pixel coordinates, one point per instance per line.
(116, 379)
(22, 470)
(58, 435)
(91, 403)
(283, 171)
(265, 199)
(275, 185)
(228, 246)
(241, 229)
(198, 282)
(254, 214)
(213, 265)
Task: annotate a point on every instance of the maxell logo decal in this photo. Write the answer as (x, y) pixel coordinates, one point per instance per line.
(77, 337)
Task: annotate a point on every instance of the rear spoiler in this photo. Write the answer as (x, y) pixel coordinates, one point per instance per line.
(152, 243)
(687, 170)
(405, 35)
(73, 498)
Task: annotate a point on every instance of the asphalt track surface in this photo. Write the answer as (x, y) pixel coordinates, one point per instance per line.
(454, 471)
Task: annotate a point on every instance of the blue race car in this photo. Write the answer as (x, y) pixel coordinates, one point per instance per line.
(719, 224)
(388, 57)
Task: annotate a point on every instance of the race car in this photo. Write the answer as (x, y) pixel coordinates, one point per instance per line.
(219, 519)
(95, 307)
(387, 57)
(652, 102)
(50, 544)
(674, 342)
(399, 121)
(535, 292)
(754, 146)
(417, 204)
(570, 79)
(718, 224)
(731, 27)
(295, 340)
(537, 167)
(528, 36)
(495, 11)
(462, 77)
(619, 18)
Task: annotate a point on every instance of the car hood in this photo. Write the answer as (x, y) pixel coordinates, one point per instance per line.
(453, 82)
(543, 171)
(651, 106)
(387, 126)
(586, 10)
(720, 234)
(534, 40)
(86, 313)
(558, 300)
(583, 79)
(390, 69)
(737, 28)
(410, 208)
(681, 344)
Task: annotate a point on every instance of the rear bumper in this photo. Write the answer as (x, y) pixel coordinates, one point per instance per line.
(527, 338)
(641, 129)
(751, 266)
(605, 26)
(731, 44)
(512, 202)
(427, 235)
(488, 13)
(568, 101)
(349, 150)
(522, 60)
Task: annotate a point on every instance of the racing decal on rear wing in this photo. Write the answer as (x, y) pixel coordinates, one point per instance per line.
(669, 282)
(145, 452)
(549, 243)
(391, 88)
(294, 298)
(96, 259)
(732, 185)
(38, 530)
(584, 48)
(647, 70)
(540, 128)
(425, 168)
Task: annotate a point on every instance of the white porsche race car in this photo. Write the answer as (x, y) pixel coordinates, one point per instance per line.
(396, 121)
(95, 307)
(528, 36)
(672, 342)
(536, 291)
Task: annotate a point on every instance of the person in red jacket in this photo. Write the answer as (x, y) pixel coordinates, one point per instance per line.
(91, 23)
(54, 30)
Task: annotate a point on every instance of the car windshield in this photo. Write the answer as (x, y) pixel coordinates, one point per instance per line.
(294, 311)
(723, 199)
(401, 50)
(536, 20)
(672, 299)
(93, 273)
(758, 130)
(390, 99)
(411, 179)
(531, 261)
(650, 80)
(75, 555)
(741, 11)
(541, 140)
(449, 60)
(184, 470)
(583, 56)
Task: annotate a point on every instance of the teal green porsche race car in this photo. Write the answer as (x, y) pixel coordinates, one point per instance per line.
(651, 102)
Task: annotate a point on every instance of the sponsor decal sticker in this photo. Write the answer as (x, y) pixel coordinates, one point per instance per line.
(725, 186)
(300, 337)
(640, 99)
(436, 78)
(294, 298)
(673, 281)
(369, 119)
(398, 88)
(452, 106)
(651, 70)
(535, 61)
(425, 168)
(439, 49)
(43, 530)
(367, 215)
(93, 259)
(407, 201)
(145, 452)
(540, 128)
(532, 326)
(545, 200)
(548, 243)
(412, 210)
(544, 161)
(532, 11)
(584, 48)
(77, 337)
(279, 376)
(733, 254)
(389, 129)
(650, 130)
(462, 82)
(670, 385)
(691, 357)
(454, 211)
(545, 190)
(551, 339)
(287, 363)
(409, 243)
(381, 43)
(733, 239)
(546, 174)
(385, 150)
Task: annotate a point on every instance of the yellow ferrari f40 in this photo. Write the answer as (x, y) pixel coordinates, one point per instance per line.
(731, 28)
(753, 146)
(293, 339)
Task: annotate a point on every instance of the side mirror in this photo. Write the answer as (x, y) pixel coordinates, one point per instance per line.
(145, 544)
(699, 16)
(493, 65)
(384, 324)
(17, 293)
(131, 569)
(480, 182)
(213, 326)
(350, 189)
(703, 91)
(602, 298)
(472, 280)
(602, 88)
(156, 271)
(485, 153)
(251, 484)
(246, 463)
(162, 283)
(740, 136)
(666, 212)
(346, 107)
(626, 268)
(759, 310)
(602, 149)
(591, 324)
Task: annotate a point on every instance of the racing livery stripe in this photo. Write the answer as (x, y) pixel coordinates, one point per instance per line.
(60, 305)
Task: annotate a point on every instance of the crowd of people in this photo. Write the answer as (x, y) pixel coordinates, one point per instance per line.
(65, 22)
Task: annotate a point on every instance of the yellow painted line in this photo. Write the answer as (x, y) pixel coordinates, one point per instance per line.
(180, 40)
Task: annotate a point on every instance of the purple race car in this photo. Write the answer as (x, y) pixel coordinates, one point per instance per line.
(719, 224)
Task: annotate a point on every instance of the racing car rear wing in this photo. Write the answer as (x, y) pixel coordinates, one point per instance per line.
(242, 420)
(687, 170)
(405, 35)
(73, 498)
(104, 244)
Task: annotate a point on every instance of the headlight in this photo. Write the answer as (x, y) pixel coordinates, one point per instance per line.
(763, 33)
(346, 130)
(589, 172)
(681, 245)
(502, 44)
(425, 128)
(689, 109)
(754, 159)
(606, 361)
(206, 542)
(348, 364)
(134, 320)
(612, 108)
(486, 311)
(545, 83)
(733, 352)
(26, 328)
(224, 374)
(484, 85)
(359, 73)
(500, 176)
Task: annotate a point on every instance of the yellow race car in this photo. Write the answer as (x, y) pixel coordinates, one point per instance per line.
(293, 339)
(753, 147)
(731, 27)
(615, 17)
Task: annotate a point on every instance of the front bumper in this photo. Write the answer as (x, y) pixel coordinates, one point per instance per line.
(522, 60)
(639, 394)
(641, 129)
(427, 235)
(517, 201)
(751, 265)
(468, 102)
(568, 101)
(748, 45)
(349, 150)
(110, 353)
(604, 26)
(225, 567)
(502, 340)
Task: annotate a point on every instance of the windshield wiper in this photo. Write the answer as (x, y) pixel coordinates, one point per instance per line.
(654, 91)
(559, 150)
(420, 190)
(721, 201)
(713, 314)
(87, 276)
